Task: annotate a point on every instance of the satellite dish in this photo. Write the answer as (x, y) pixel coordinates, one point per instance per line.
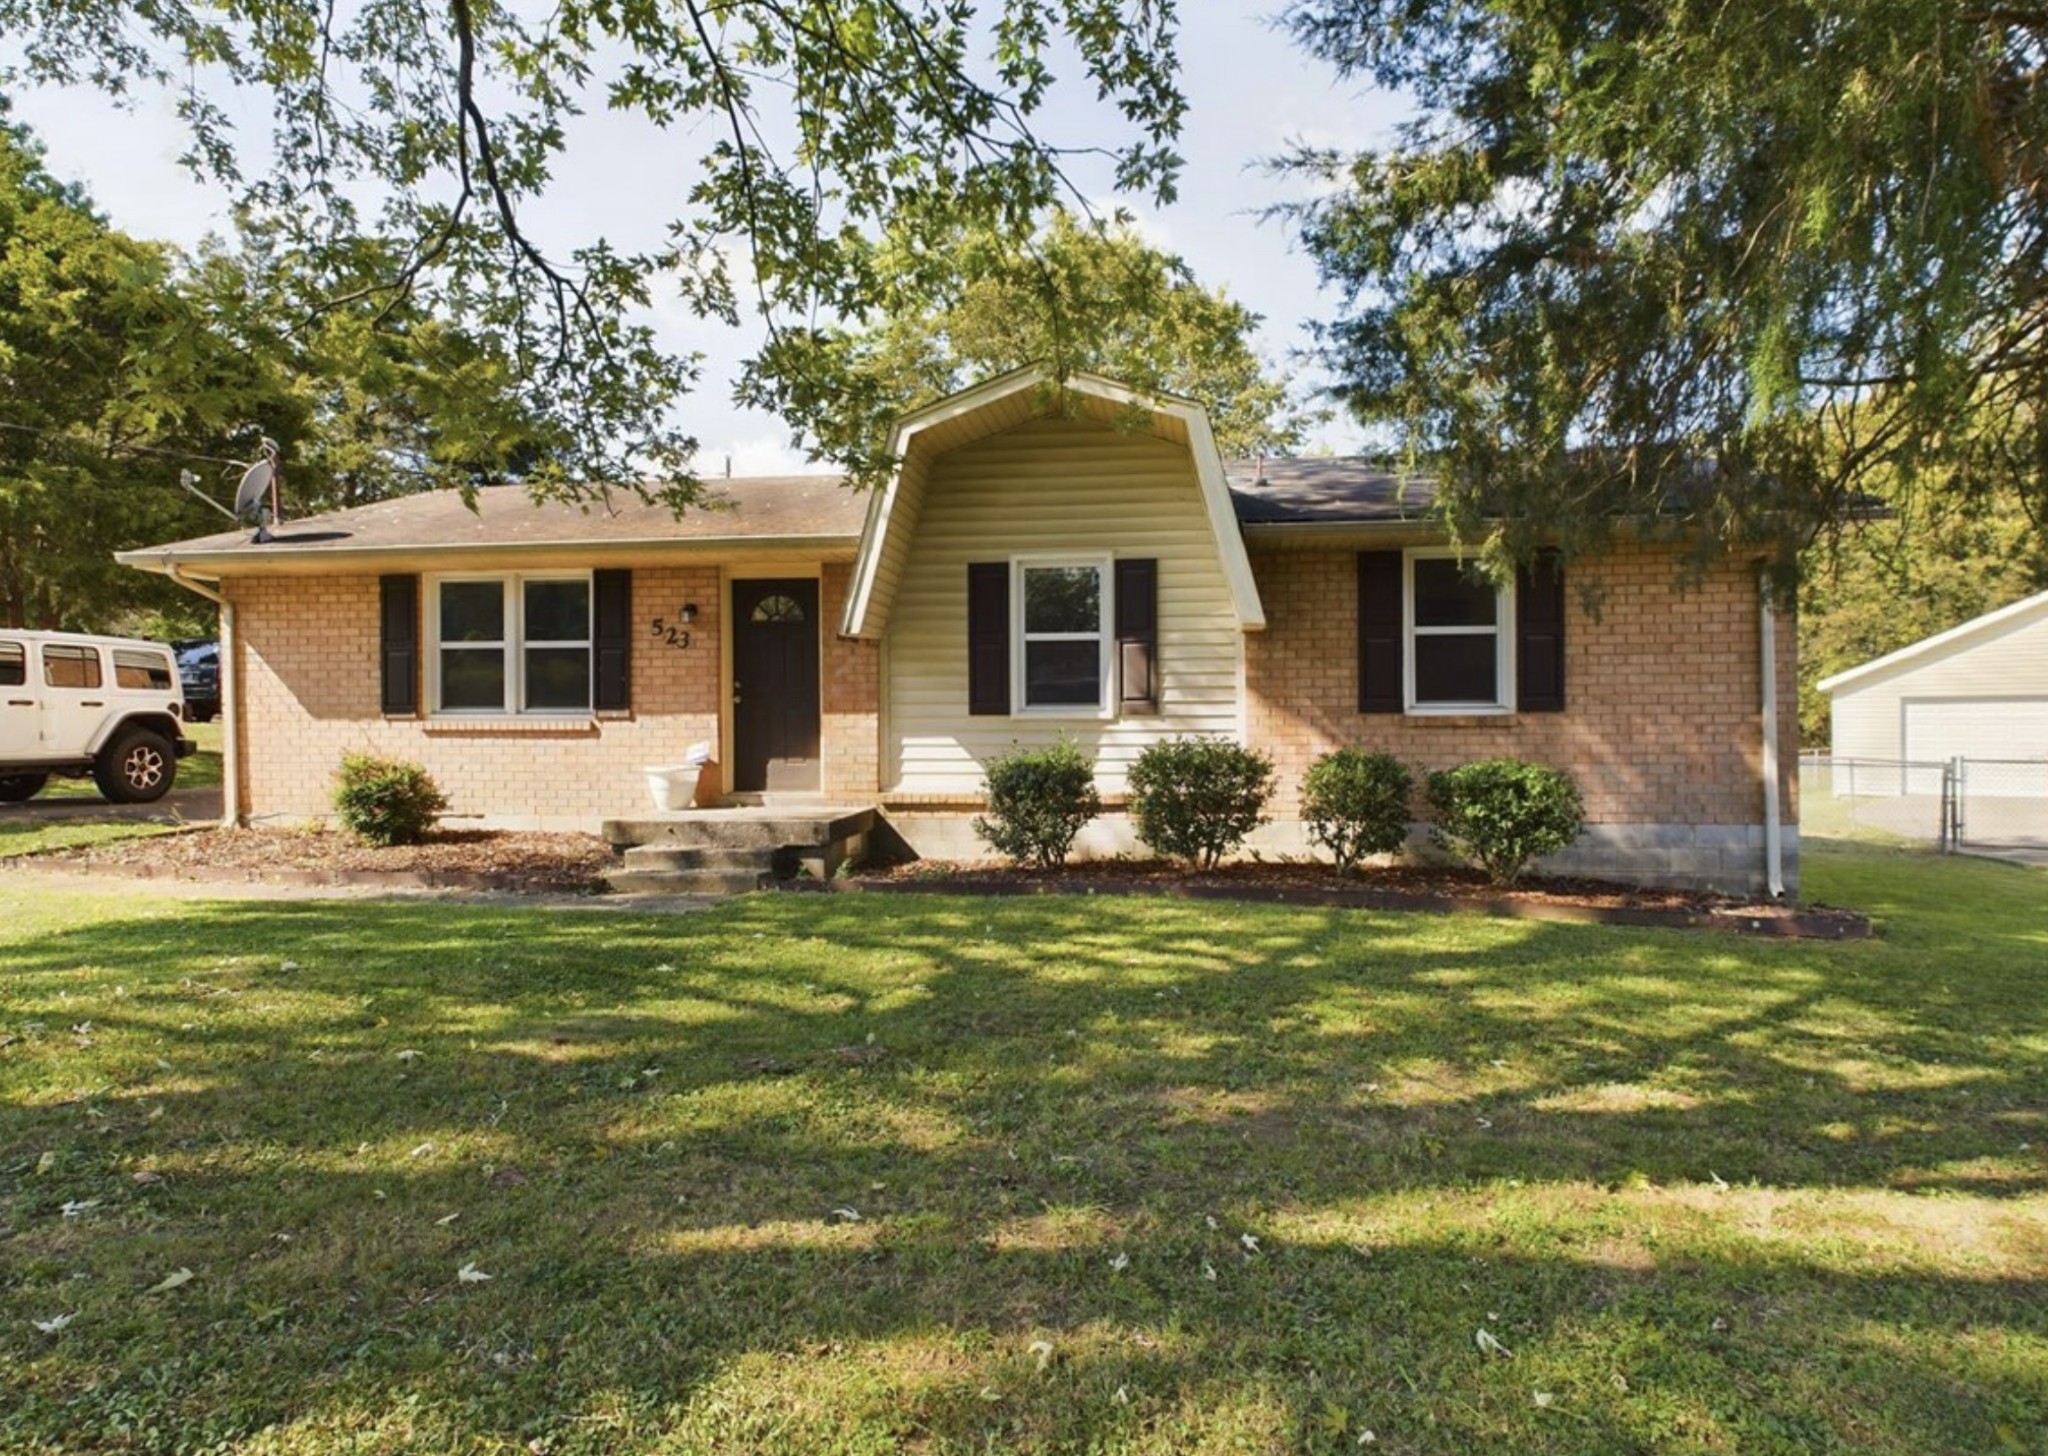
(249, 494)
(249, 497)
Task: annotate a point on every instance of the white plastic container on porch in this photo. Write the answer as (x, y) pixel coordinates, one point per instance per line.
(676, 787)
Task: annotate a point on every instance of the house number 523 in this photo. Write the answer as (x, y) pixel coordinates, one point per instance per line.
(672, 635)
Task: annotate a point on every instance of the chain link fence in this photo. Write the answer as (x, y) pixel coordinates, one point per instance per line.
(1978, 804)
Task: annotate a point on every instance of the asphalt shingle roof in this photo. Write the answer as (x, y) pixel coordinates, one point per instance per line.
(794, 507)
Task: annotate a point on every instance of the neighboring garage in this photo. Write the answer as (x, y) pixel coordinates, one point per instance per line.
(1978, 693)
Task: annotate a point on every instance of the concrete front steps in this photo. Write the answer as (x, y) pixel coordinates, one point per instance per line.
(731, 851)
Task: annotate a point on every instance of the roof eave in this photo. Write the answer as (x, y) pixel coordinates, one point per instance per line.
(271, 559)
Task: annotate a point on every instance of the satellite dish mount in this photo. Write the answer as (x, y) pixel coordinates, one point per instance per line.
(257, 480)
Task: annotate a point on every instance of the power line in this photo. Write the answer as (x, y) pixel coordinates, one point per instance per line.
(157, 450)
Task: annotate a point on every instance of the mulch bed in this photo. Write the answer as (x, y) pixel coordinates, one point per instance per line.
(534, 863)
(1396, 887)
(450, 859)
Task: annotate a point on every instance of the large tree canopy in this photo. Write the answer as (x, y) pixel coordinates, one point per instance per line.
(124, 365)
(1718, 266)
(110, 384)
(812, 137)
(1074, 297)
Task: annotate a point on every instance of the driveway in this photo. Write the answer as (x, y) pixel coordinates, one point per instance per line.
(2026, 851)
(189, 806)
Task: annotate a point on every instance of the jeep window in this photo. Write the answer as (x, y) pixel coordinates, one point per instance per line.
(13, 665)
(149, 670)
(70, 667)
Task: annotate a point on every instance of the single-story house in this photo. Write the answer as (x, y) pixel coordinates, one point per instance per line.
(1045, 560)
(1978, 691)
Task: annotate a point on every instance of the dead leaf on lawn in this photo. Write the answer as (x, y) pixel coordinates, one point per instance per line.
(470, 1274)
(1488, 1345)
(53, 1324)
(175, 1280)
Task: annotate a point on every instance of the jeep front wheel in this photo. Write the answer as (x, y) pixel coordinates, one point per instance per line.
(136, 767)
(17, 787)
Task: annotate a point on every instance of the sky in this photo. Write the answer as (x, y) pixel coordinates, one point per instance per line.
(1251, 92)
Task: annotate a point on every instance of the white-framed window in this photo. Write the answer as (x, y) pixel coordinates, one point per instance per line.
(1060, 660)
(516, 644)
(1459, 626)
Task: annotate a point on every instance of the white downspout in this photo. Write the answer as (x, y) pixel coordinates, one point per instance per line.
(1774, 837)
(230, 718)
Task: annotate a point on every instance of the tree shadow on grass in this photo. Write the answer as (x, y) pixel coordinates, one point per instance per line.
(643, 1128)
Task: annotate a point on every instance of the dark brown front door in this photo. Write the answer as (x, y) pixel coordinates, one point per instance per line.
(775, 685)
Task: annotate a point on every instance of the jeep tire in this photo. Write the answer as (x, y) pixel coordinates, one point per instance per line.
(16, 788)
(135, 767)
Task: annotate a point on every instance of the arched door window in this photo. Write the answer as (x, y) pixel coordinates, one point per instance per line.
(778, 608)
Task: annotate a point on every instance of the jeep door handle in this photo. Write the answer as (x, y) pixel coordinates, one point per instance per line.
(21, 702)
(90, 703)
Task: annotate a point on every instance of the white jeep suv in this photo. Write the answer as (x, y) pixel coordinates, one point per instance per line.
(111, 707)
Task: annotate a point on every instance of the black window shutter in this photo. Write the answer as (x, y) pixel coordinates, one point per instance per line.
(1137, 635)
(612, 643)
(988, 637)
(1539, 634)
(1379, 632)
(398, 644)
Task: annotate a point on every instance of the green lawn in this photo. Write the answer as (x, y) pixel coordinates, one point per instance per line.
(837, 1174)
(23, 836)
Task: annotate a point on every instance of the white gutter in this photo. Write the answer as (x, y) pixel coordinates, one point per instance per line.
(1774, 836)
(230, 719)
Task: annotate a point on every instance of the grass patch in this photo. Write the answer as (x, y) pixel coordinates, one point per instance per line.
(201, 771)
(20, 837)
(810, 1174)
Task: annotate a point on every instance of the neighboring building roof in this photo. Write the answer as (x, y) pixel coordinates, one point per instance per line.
(2020, 614)
(1320, 492)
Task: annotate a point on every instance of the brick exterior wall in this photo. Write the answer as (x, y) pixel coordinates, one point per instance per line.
(851, 741)
(307, 667)
(1661, 727)
(1661, 724)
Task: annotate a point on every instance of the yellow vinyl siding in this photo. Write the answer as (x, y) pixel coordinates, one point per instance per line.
(1869, 717)
(908, 506)
(1051, 486)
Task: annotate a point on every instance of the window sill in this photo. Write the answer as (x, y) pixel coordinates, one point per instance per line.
(579, 725)
(1465, 718)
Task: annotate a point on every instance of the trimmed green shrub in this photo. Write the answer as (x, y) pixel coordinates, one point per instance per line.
(1198, 798)
(1356, 804)
(386, 801)
(1038, 800)
(1501, 813)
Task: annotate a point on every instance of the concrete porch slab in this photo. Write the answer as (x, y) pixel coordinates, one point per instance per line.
(728, 850)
